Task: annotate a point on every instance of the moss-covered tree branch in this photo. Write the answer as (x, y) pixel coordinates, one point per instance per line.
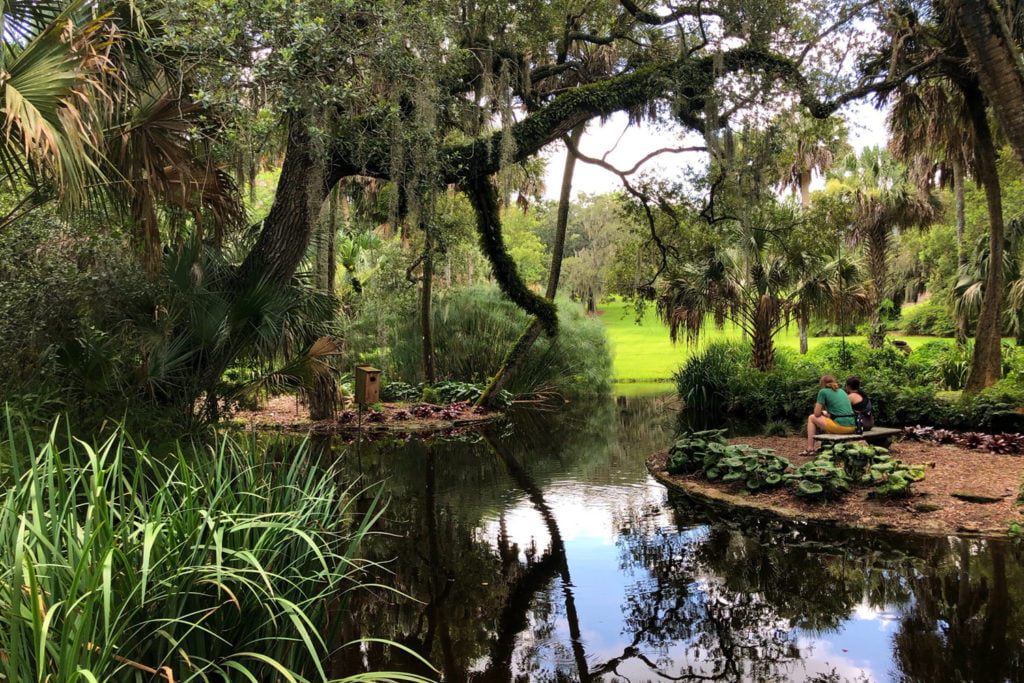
(484, 198)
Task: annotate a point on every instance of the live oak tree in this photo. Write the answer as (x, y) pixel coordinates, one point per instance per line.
(406, 91)
(429, 95)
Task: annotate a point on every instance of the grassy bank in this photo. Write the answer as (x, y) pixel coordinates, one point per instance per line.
(643, 352)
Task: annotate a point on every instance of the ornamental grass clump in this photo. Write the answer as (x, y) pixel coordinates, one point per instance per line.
(211, 564)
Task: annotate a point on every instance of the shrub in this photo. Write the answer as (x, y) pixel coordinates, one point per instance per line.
(931, 317)
(708, 452)
(777, 428)
(994, 409)
(873, 466)
(820, 479)
(705, 383)
(474, 328)
(719, 384)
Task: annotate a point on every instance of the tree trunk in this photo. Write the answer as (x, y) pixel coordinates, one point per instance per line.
(287, 230)
(996, 58)
(332, 241)
(986, 363)
(961, 205)
(426, 321)
(878, 242)
(805, 188)
(514, 360)
(802, 323)
(763, 352)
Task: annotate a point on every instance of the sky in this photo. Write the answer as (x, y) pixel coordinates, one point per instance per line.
(625, 145)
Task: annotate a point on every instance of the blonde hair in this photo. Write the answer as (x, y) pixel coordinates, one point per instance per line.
(828, 381)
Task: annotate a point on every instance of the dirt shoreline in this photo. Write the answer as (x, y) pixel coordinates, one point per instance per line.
(932, 509)
(287, 414)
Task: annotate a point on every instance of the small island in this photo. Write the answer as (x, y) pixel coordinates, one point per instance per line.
(963, 492)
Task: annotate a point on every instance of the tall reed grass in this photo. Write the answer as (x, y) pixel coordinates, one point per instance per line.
(213, 564)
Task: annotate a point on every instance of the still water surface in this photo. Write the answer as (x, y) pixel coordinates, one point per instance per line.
(541, 550)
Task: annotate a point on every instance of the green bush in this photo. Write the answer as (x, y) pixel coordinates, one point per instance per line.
(820, 479)
(66, 295)
(708, 452)
(720, 385)
(996, 409)
(932, 317)
(873, 466)
(705, 383)
(475, 327)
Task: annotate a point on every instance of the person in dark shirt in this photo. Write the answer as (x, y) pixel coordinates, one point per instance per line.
(861, 402)
(853, 390)
(831, 400)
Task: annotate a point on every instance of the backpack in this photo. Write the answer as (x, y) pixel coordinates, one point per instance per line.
(864, 419)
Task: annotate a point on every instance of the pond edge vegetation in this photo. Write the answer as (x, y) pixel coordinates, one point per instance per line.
(707, 492)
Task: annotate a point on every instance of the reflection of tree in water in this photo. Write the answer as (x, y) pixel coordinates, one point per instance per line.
(475, 598)
(723, 599)
(966, 622)
(733, 592)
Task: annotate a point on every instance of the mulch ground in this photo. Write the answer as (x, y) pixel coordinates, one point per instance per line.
(931, 508)
(289, 414)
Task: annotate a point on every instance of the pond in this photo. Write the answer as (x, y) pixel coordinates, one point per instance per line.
(540, 550)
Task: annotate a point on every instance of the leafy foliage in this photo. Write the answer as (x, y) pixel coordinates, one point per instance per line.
(873, 466)
(474, 328)
(828, 477)
(442, 392)
(905, 389)
(709, 452)
(1005, 443)
(820, 479)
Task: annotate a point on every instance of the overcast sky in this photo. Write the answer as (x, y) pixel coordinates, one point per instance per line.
(867, 128)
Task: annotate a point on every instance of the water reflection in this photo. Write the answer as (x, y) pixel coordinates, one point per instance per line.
(540, 550)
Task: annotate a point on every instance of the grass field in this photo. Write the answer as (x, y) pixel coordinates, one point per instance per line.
(644, 353)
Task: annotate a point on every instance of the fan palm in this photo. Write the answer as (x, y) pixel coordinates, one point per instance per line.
(972, 276)
(159, 160)
(931, 129)
(54, 82)
(757, 279)
(883, 200)
(811, 145)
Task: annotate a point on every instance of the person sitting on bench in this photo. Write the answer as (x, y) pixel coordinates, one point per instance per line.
(863, 411)
(831, 400)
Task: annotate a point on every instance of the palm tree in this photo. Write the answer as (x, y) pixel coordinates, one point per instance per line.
(930, 129)
(757, 280)
(810, 146)
(990, 34)
(54, 80)
(156, 149)
(973, 274)
(883, 200)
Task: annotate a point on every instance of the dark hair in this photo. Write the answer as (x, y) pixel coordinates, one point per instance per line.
(853, 382)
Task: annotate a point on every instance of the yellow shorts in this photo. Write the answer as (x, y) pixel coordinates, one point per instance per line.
(834, 428)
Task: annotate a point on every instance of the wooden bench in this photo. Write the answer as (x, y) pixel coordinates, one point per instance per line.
(877, 436)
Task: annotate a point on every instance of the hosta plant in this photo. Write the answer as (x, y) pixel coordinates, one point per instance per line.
(820, 479)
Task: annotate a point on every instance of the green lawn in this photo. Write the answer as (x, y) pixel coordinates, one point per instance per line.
(644, 353)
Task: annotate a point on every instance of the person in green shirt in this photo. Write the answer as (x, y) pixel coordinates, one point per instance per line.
(831, 401)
